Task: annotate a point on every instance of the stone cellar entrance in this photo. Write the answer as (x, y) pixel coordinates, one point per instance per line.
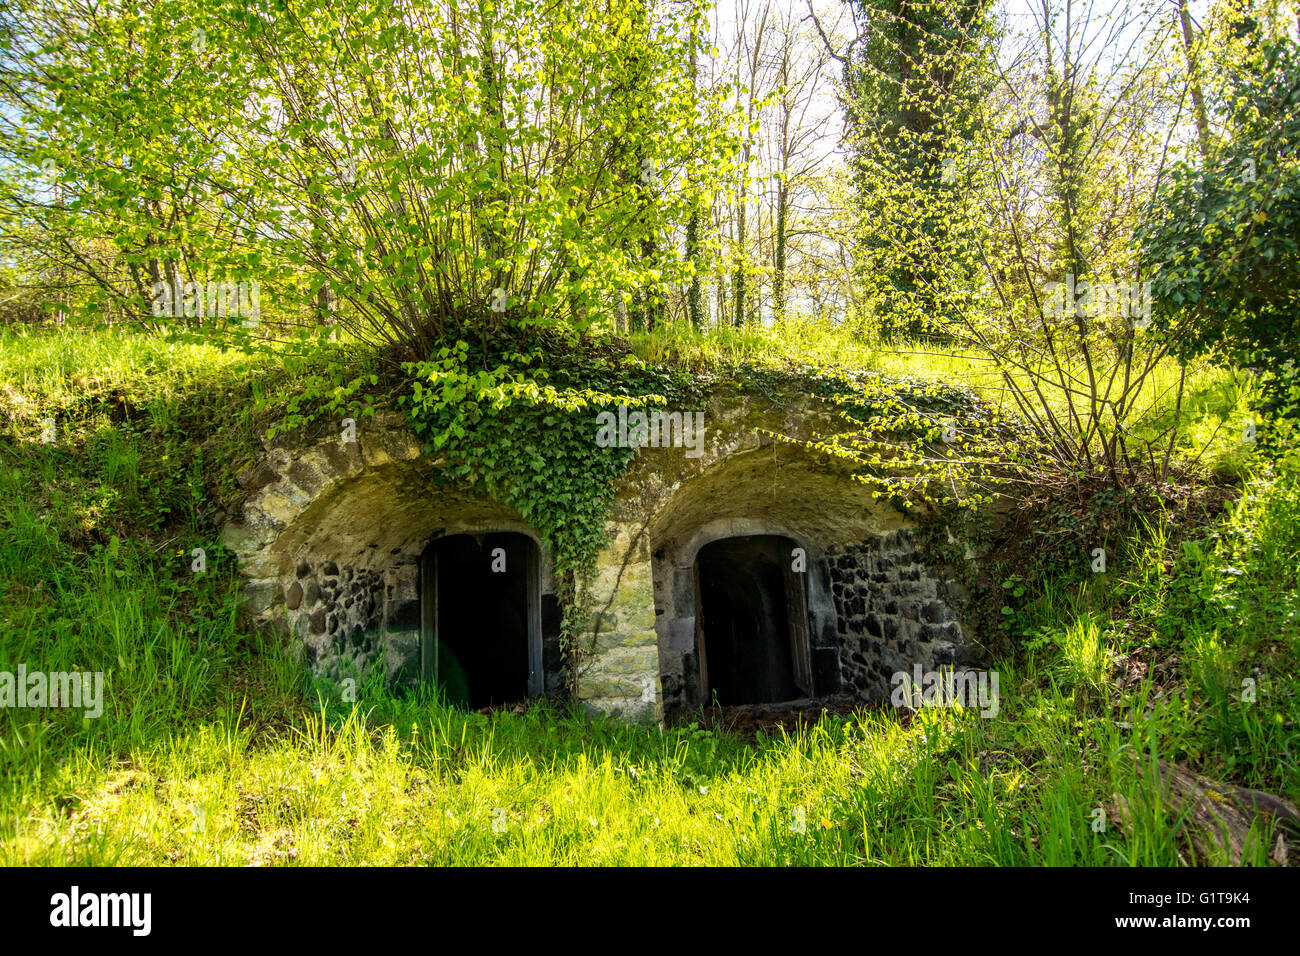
(364, 555)
(752, 622)
(481, 634)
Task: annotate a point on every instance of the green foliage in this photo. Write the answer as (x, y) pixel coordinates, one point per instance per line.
(517, 422)
(915, 442)
(1222, 238)
(384, 171)
(912, 105)
(394, 172)
(199, 715)
(115, 189)
(330, 382)
(97, 530)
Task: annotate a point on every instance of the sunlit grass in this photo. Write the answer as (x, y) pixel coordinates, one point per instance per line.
(1212, 417)
(62, 364)
(210, 752)
(801, 341)
(440, 787)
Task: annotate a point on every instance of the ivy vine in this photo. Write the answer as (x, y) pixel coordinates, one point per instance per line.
(517, 423)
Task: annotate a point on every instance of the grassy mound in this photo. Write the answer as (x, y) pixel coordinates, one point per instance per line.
(213, 748)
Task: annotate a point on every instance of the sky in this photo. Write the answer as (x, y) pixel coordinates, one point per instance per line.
(1111, 28)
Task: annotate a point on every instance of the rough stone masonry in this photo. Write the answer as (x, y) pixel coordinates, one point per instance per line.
(330, 532)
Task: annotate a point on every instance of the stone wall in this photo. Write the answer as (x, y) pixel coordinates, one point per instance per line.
(351, 619)
(874, 608)
(338, 612)
(331, 532)
(892, 612)
(619, 669)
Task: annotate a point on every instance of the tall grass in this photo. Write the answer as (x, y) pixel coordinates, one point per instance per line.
(213, 749)
(1212, 416)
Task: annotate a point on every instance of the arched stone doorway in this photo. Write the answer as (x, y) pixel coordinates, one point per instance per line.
(816, 512)
(759, 588)
(752, 621)
(481, 618)
(332, 542)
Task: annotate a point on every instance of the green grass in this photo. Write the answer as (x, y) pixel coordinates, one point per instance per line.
(808, 341)
(1216, 404)
(213, 749)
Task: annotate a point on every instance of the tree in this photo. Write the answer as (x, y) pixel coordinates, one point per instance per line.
(114, 186)
(1024, 248)
(911, 93)
(422, 169)
(1222, 238)
(796, 145)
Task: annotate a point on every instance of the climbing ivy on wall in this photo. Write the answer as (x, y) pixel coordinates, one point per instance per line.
(514, 418)
(516, 421)
(921, 445)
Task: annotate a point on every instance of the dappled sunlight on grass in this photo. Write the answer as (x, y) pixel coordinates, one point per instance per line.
(62, 365)
(450, 788)
(213, 750)
(798, 341)
(1212, 417)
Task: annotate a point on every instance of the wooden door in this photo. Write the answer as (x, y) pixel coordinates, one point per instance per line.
(796, 606)
(701, 654)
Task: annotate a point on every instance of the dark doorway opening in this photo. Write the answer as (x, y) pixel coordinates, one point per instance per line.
(481, 618)
(751, 622)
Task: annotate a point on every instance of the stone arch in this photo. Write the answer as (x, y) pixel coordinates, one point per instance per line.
(858, 551)
(330, 536)
(677, 560)
(330, 539)
(684, 550)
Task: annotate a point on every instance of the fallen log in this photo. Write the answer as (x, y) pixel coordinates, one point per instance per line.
(1217, 817)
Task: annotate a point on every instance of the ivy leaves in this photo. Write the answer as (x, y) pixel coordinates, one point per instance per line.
(914, 443)
(521, 429)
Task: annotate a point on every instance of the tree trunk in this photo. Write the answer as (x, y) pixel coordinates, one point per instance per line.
(1194, 81)
(738, 280)
(778, 274)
